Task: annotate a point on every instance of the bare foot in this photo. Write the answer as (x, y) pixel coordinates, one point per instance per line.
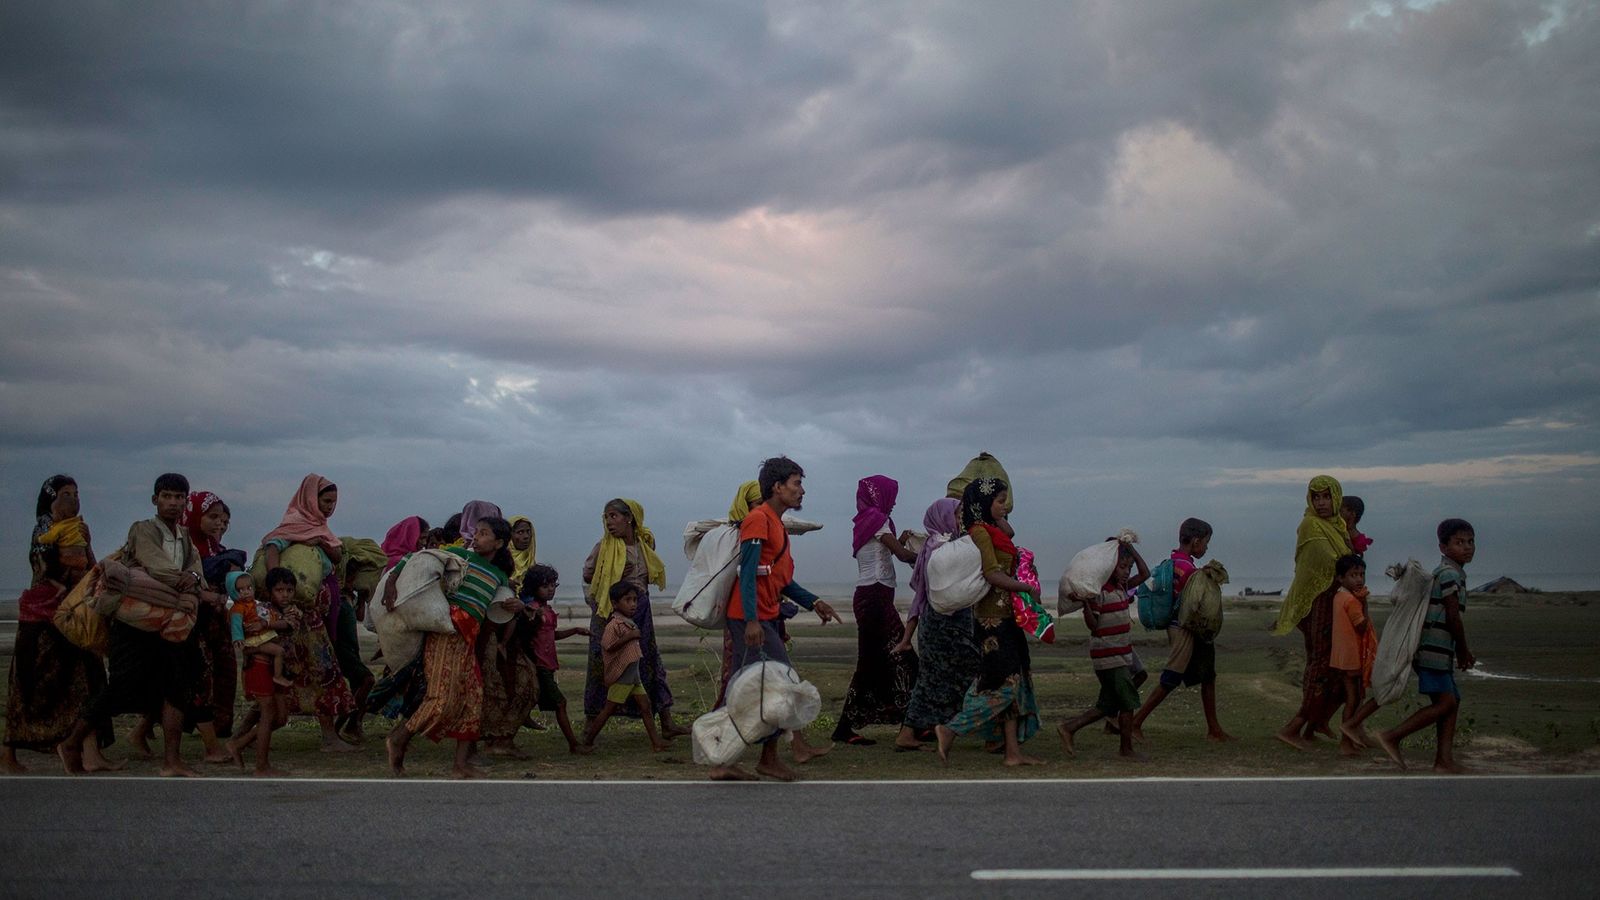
(994, 746)
(806, 753)
(140, 745)
(671, 731)
(945, 738)
(1134, 756)
(1325, 731)
(334, 745)
(71, 759)
(14, 766)
(1023, 759)
(1349, 748)
(660, 747)
(180, 770)
(465, 772)
(1449, 768)
(397, 763)
(779, 771)
(219, 757)
(233, 754)
(270, 772)
(1138, 735)
(1391, 748)
(1294, 740)
(1352, 735)
(95, 762)
(1219, 736)
(731, 773)
(911, 747)
(580, 749)
(1066, 739)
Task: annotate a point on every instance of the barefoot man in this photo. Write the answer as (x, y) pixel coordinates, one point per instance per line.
(766, 574)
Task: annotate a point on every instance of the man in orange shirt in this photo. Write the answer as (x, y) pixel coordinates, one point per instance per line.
(766, 574)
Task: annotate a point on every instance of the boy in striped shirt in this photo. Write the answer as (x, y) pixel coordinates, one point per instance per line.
(1443, 647)
(1111, 652)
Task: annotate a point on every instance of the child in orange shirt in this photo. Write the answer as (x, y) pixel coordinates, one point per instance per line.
(1355, 641)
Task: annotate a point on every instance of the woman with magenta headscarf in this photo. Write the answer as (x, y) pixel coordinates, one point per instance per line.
(883, 678)
(947, 658)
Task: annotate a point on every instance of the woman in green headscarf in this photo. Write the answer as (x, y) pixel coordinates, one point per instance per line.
(1308, 605)
(523, 547)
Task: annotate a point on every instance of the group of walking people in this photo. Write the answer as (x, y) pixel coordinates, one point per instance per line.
(291, 614)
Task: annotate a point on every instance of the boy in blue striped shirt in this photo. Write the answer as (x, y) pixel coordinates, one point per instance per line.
(1443, 647)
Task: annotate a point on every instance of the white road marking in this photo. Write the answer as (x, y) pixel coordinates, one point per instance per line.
(578, 781)
(1231, 874)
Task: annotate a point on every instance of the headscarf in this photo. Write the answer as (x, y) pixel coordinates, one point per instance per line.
(941, 523)
(303, 522)
(472, 512)
(215, 567)
(402, 538)
(231, 584)
(748, 497)
(1319, 542)
(612, 558)
(976, 501)
(522, 559)
(875, 496)
(199, 502)
(984, 465)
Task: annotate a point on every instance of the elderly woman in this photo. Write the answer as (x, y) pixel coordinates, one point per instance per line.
(1308, 605)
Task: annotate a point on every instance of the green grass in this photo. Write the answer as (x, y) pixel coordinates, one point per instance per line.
(1506, 725)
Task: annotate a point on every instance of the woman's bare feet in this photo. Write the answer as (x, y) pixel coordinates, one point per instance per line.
(95, 761)
(660, 747)
(580, 749)
(178, 770)
(731, 773)
(468, 771)
(804, 752)
(1023, 759)
(1294, 740)
(71, 759)
(397, 760)
(1219, 736)
(946, 738)
(777, 770)
(1065, 734)
(335, 745)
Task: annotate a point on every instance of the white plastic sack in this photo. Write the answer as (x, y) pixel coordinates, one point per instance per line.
(695, 531)
(702, 599)
(763, 699)
(1092, 567)
(420, 606)
(1391, 669)
(955, 576)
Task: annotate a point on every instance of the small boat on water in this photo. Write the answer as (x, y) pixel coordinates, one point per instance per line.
(1249, 592)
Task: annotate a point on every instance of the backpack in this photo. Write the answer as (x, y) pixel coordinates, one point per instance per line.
(1157, 603)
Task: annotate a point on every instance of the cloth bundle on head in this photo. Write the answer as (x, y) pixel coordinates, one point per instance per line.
(216, 566)
(199, 502)
(875, 496)
(745, 499)
(612, 558)
(983, 465)
(402, 538)
(472, 512)
(940, 521)
(1318, 544)
(303, 522)
(522, 559)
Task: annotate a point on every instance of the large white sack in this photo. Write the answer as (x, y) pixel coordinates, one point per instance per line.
(1391, 669)
(716, 741)
(955, 576)
(420, 606)
(1092, 567)
(695, 531)
(702, 599)
(767, 697)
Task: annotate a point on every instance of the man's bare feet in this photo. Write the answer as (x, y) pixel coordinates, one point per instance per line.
(334, 745)
(1392, 748)
(731, 773)
(1294, 740)
(178, 770)
(1023, 759)
(945, 738)
(805, 753)
(778, 771)
(71, 759)
(397, 763)
(1219, 736)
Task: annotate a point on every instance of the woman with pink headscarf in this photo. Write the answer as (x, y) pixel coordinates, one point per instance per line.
(883, 678)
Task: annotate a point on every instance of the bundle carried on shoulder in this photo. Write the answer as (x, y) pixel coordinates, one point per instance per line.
(137, 599)
(421, 605)
(310, 567)
(1402, 631)
(763, 698)
(712, 546)
(78, 620)
(955, 576)
(1201, 607)
(1092, 567)
(361, 563)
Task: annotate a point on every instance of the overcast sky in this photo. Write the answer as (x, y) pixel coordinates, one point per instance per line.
(1162, 259)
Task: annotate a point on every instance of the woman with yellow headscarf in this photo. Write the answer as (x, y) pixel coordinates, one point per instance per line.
(626, 552)
(1308, 605)
(524, 542)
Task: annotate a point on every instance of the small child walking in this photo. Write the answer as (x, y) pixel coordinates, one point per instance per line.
(263, 672)
(1111, 653)
(538, 590)
(1190, 660)
(1355, 644)
(1443, 646)
(620, 654)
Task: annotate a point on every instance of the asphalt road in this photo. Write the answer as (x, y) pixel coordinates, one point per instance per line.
(124, 837)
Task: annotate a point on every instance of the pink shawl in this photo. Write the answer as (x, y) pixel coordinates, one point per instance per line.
(302, 522)
(402, 538)
(875, 497)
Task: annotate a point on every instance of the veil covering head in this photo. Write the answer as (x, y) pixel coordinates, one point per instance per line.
(303, 522)
(612, 558)
(875, 496)
(745, 499)
(522, 559)
(1318, 544)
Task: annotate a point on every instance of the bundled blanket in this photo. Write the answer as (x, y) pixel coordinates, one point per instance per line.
(145, 603)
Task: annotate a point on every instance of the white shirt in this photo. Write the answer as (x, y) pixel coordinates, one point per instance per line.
(875, 562)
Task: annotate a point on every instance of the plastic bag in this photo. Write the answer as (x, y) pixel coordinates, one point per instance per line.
(955, 576)
(702, 599)
(1093, 567)
(1201, 609)
(763, 698)
(1402, 631)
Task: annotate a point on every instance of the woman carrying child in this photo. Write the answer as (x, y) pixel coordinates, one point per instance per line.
(626, 552)
(452, 705)
(1308, 605)
(1000, 704)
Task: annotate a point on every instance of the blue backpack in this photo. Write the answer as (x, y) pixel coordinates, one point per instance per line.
(1158, 605)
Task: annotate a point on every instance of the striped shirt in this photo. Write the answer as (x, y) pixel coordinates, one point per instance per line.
(479, 582)
(1111, 635)
(1437, 648)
